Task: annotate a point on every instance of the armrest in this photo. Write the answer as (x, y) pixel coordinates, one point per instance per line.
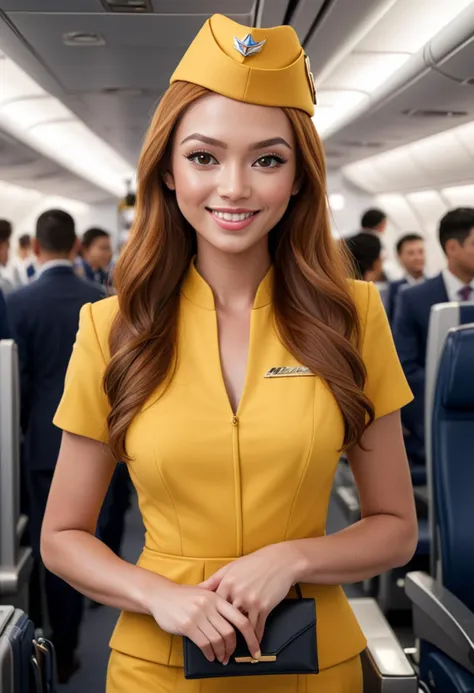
(384, 659)
(441, 619)
(348, 500)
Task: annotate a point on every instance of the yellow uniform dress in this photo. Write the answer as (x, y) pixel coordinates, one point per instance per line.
(213, 486)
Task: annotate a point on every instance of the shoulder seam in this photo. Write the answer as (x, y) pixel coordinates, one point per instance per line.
(96, 334)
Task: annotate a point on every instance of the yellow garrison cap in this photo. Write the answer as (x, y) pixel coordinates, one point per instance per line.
(261, 66)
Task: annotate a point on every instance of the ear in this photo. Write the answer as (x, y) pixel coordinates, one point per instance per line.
(76, 248)
(36, 248)
(169, 180)
(452, 245)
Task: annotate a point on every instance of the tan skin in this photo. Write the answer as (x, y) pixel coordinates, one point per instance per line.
(241, 595)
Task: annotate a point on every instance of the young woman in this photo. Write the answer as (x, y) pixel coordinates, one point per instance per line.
(234, 366)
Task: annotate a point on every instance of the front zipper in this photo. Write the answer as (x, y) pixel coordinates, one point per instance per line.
(237, 486)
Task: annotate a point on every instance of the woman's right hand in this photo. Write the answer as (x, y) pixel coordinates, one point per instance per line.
(203, 617)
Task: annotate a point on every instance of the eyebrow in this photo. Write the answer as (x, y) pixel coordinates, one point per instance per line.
(218, 143)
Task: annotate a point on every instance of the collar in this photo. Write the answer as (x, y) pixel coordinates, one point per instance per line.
(412, 281)
(197, 290)
(52, 264)
(453, 284)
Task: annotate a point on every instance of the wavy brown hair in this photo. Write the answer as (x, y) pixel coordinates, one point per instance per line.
(314, 308)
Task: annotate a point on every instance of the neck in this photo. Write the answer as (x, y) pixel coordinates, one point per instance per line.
(416, 275)
(233, 278)
(463, 275)
(43, 258)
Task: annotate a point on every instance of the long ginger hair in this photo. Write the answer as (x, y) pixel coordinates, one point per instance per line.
(314, 309)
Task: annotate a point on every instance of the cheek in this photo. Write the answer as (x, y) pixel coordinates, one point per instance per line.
(275, 190)
(190, 183)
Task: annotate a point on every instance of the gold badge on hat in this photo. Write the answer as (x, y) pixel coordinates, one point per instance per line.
(287, 372)
(247, 46)
(310, 76)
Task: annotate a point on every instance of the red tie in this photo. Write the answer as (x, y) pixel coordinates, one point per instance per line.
(465, 293)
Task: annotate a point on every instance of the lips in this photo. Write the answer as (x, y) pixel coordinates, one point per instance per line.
(232, 219)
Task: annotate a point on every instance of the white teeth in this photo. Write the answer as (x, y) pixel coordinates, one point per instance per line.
(227, 216)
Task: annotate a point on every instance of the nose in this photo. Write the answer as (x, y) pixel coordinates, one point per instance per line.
(233, 183)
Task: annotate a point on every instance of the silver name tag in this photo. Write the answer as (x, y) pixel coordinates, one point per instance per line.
(287, 372)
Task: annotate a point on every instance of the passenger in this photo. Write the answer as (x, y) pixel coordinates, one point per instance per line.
(231, 275)
(44, 319)
(411, 255)
(7, 281)
(412, 315)
(24, 263)
(4, 326)
(374, 222)
(95, 256)
(366, 252)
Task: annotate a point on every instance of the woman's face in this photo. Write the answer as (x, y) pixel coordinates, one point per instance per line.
(233, 169)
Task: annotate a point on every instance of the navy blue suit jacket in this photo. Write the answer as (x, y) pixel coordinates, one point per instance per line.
(44, 318)
(4, 328)
(393, 289)
(410, 331)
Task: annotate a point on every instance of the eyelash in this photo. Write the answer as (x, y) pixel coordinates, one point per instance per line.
(277, 157)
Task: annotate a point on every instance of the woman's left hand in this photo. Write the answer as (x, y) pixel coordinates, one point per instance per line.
(256, 583)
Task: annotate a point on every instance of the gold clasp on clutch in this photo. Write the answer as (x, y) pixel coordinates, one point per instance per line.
(252, 660)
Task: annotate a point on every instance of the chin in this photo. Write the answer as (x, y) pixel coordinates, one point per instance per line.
(233, 244)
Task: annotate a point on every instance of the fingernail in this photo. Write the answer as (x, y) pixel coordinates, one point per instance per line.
(258, 654)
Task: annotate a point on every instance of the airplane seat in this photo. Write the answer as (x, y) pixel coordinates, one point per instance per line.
(418, 474)
(444, 317)
(443, 610)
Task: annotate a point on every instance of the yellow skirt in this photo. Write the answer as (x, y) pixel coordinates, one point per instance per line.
(132, 675)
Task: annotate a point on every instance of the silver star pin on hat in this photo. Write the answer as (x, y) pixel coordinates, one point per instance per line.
(247, 46)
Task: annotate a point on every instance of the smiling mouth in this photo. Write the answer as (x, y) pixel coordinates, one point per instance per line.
(231, 216)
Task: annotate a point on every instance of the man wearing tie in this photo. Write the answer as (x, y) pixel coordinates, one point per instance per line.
(411, 255)
(413, 309)
(44, 319)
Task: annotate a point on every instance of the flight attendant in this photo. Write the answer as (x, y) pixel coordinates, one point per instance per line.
(235, 364)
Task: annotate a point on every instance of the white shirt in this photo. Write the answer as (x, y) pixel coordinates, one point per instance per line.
(413, 281)
(453, 284)
(53, 263)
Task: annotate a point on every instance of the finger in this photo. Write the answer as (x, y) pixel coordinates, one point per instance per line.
(215, 638)
(213, 582)
(260, 626)
(242, 624)
(253, 616)
(227, 632)
(203, 642)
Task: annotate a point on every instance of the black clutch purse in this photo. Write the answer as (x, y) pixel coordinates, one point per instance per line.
(288, 646)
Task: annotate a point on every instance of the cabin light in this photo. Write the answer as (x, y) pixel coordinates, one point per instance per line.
(333, 105)
(43, 122)
(337, 202)
(459, 196)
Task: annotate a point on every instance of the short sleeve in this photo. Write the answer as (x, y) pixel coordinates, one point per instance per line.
(386, 385)
(84, 407)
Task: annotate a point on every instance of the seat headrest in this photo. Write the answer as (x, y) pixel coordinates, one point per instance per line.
(466, 313)
(456, 371)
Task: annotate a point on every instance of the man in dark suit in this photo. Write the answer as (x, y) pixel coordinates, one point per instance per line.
(4, 328)
(44, 318)
(412, 314)
(411, 255)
